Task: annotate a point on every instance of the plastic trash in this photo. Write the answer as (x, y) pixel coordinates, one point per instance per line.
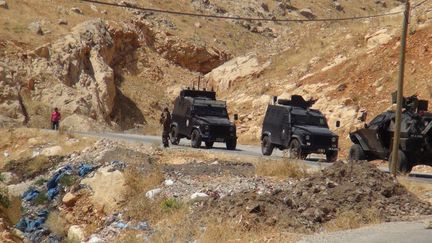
(120, 225)
(29, 225)
(141, 226)
(85, 169)
(53, 182)
(52, 193)
(30, 194)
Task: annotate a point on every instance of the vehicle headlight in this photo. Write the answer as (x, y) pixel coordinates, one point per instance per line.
(307, 137)
(334, 139)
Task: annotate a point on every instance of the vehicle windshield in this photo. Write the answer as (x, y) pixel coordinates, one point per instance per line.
(210, 111)
(309, 120)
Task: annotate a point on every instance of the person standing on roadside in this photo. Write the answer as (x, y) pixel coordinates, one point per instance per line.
(165, 120)
(55, 119)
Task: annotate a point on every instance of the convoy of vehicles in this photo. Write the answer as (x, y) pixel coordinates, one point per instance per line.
(293, 126)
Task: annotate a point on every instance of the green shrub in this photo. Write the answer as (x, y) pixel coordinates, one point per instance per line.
(4, 199)
(170, 204)
(42, 198)
(67, 180)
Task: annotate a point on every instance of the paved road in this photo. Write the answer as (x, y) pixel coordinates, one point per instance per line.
(242, 150)
(397, 232)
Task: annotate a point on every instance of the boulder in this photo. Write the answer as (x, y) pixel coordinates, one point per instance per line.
(62, 22)
(3, 4)
(381, 37)
(52, 151)
(153, 193)
(75, 234)
(36, 28)
(109, 189)
(337, 5)
(77, 10)
(69, 199)
(168, 182)
(42, 51)
(198, 196)
(307, 12)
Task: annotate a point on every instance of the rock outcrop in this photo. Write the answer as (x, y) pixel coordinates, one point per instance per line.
(83, 66)
(233, 71)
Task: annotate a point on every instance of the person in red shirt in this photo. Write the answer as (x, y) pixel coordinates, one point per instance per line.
(55, 119)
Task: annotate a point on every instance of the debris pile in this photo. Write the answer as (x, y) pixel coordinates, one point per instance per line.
(310, 203)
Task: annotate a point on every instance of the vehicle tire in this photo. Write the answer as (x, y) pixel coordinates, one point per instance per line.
(295, 150)
(331, 156)
(266, 146)
(356, 153)
(196, 139)
(403, 166)
(231, 144)
(209, 145)
(174, 139)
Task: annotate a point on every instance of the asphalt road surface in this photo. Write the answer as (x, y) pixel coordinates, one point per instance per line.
(242, 150)
(397, 232)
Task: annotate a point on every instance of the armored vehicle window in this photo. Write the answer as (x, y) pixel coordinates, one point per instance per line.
(309, 120)
(377, 120)
(210, 111)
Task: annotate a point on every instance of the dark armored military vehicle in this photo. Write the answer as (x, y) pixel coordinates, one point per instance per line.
(374, 141)
(293, 125)
(198, 116)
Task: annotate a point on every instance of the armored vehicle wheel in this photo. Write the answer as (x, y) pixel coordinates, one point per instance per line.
(209, 145)
(231, 144)
(266, 146)
(295, 150)
(196, 139)
(174, 139)
(356, 153)
(331, 156)
(402, 165)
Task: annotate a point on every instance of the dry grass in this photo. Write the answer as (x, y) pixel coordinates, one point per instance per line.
(351, 220)
(232, 232)
(139, 206)
(282, 169)
(21, 142)
(56, 223)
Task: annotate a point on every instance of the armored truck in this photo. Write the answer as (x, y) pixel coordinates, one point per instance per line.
(198, 116)
(293, 125)
(374, 141)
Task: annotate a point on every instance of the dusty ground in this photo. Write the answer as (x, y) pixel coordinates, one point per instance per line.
(162, 195)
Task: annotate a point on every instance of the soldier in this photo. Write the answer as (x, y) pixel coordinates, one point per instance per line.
(165, 120)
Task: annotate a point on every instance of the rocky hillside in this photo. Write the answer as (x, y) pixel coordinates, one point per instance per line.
(116, 68)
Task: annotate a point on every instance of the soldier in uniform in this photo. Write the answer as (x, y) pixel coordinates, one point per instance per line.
(165, 120)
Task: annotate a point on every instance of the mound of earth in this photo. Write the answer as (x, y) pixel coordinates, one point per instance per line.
(310, 203)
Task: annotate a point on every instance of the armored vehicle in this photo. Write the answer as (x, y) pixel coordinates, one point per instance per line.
(374, 141)
(198, 116)
(293, 125)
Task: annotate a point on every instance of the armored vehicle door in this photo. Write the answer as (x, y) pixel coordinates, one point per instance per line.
(188, 120)
(286, 129)
(275, 122)
(180, 116)
(374, 137)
